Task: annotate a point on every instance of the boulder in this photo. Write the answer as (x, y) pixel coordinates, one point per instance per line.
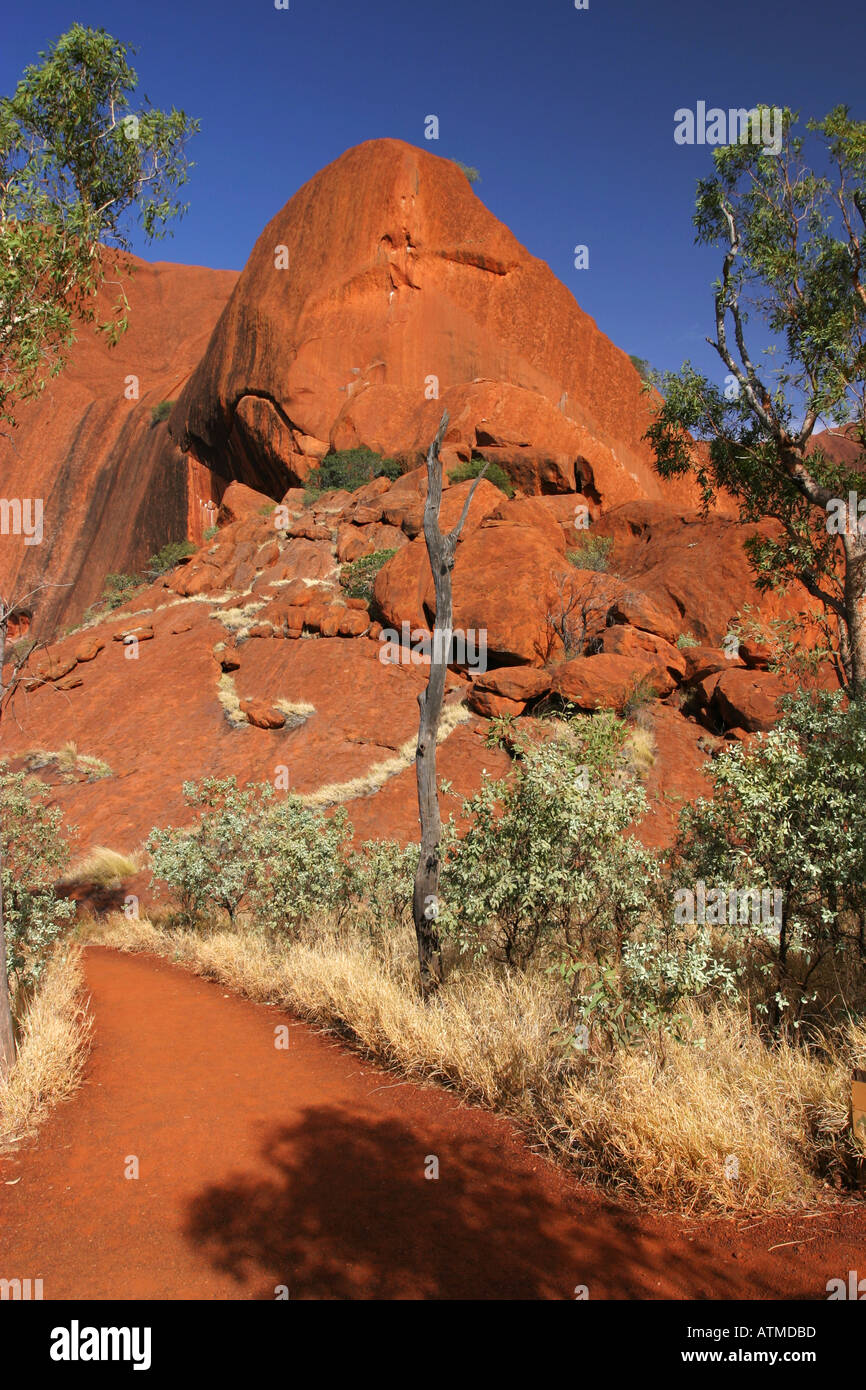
(519, 683)
(749, 699)
(262, 715)
(606, 680)
(629, 641)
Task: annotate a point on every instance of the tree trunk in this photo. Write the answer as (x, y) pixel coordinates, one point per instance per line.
(855, 610)
(7, 1033)
(441, 551)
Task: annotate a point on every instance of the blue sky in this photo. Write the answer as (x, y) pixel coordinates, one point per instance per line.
(568, 115)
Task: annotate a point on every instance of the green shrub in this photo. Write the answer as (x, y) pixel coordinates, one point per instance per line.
(545, 863)
(386, 879)
(647, 373)
(209, 865)
(788, 813)
(33, 855)
(160, 412)
(472, 174)
(210, 532)
(115, 592)
(349, 469)
(495, 474)
(169, 556)
(592, 554)
(251, 850)
(358, 576)
(687, 639)
(302, 866)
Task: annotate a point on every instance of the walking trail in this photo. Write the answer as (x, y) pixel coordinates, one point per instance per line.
(303, 1169)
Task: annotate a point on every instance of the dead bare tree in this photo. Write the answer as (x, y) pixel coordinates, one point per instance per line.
(576, 613)
(441, 552)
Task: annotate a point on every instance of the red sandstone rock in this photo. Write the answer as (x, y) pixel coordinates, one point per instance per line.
(604, 681)
(755, 655)
(633, 607)
(240, 502)
(88, 648)
(629, 641)
(528, 512)
(490, 705)
(127, 489)
(703, 661)
(749, 699)
(515, 682)
(401, 238)
(262, 715)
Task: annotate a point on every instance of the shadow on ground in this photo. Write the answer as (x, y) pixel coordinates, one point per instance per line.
(347, 1213)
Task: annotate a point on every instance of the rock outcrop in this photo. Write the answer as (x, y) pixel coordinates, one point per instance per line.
(384, 291)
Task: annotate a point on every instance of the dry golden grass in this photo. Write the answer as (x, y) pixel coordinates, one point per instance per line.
(640, 747)
(102, 867)
(53, 1048)
(227, 694)
(295, 708)
(69, 762)
(239, 620)
(662, 1132)
(731, 1123)
(337, 792)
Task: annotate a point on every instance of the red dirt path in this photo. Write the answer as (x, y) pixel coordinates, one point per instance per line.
(305, 1168)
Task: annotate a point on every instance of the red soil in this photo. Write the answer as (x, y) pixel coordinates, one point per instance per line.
(305, 1168)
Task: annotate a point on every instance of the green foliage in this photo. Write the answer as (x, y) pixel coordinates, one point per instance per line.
(169, 556)
(647, 373)
(115, 592)
(71, 180)
(792, 271)
(788, 811)
(545, 864)
(783, 637)
(386, 878)
(211, 865)
(687, 639)
(160, 412)
(623, 1000)
(358, 576)
(210, 532)
(253, 850)
(593, 553)
(350, 469)
(33, 855)
(495, 474)
(302, 866)
(472, 174)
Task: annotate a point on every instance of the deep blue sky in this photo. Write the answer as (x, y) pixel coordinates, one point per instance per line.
(567, 114)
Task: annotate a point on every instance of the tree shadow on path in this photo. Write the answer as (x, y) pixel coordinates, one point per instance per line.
(340, 1209)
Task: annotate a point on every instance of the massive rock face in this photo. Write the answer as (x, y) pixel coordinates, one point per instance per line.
(383, 281)
(383, 278)
(113, 487)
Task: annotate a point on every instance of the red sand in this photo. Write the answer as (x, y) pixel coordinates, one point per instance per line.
(305, 1168)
